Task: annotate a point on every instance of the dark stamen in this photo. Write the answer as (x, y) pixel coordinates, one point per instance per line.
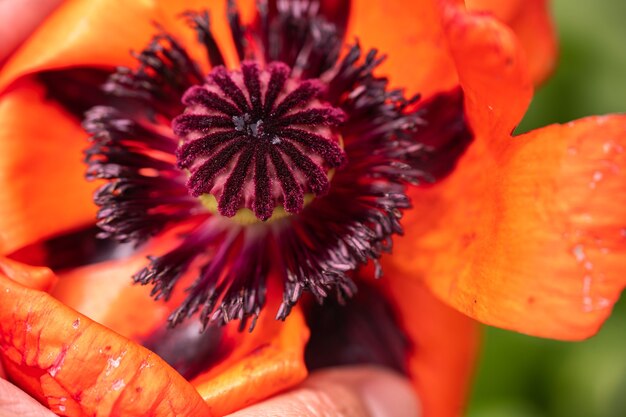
(236, 28)
(134, 205)
(296, 33)
(201, 23)
(165, 72)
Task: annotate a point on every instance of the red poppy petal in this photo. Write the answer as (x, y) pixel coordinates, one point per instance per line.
(528, 235)
(42, 190)
(253, 366)
(410, 34)
(436, 45)
(101, 33)
(491, 68)
(262, 363)
(532, 23)
(78, 367)
(444, 344)
(35, 277)
(105, 293)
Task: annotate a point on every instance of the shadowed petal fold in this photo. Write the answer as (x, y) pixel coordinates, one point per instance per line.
(42, 187)
(443, 344)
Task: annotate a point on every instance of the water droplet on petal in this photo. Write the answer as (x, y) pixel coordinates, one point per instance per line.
(118, 385)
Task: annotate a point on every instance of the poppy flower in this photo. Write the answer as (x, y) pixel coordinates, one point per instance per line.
(249, 162)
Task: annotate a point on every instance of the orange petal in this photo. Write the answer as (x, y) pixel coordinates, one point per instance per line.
(434, 45)
(252, 366)
(35, 277)
(262, 363)
(77, 367)
(105, 293)
(444, 344)
(101, 33)
(528, 234)
(42, 187)
(532, 23)
(492, 70)
(410, 33)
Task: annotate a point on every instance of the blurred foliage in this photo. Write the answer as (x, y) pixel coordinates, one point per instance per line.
(591, 74)
(521, 376)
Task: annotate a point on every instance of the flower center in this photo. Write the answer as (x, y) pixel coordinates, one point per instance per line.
(257, 143)
(253, 144)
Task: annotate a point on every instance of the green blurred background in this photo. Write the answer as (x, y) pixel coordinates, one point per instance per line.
(521, 376)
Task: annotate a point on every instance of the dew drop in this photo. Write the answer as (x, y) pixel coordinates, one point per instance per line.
(602, 303)
(114, 363)
(587, 300)
(579, 253)
(597, 176)
(76, 323)
(601, 120)
(118, 385)
(595, 179)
